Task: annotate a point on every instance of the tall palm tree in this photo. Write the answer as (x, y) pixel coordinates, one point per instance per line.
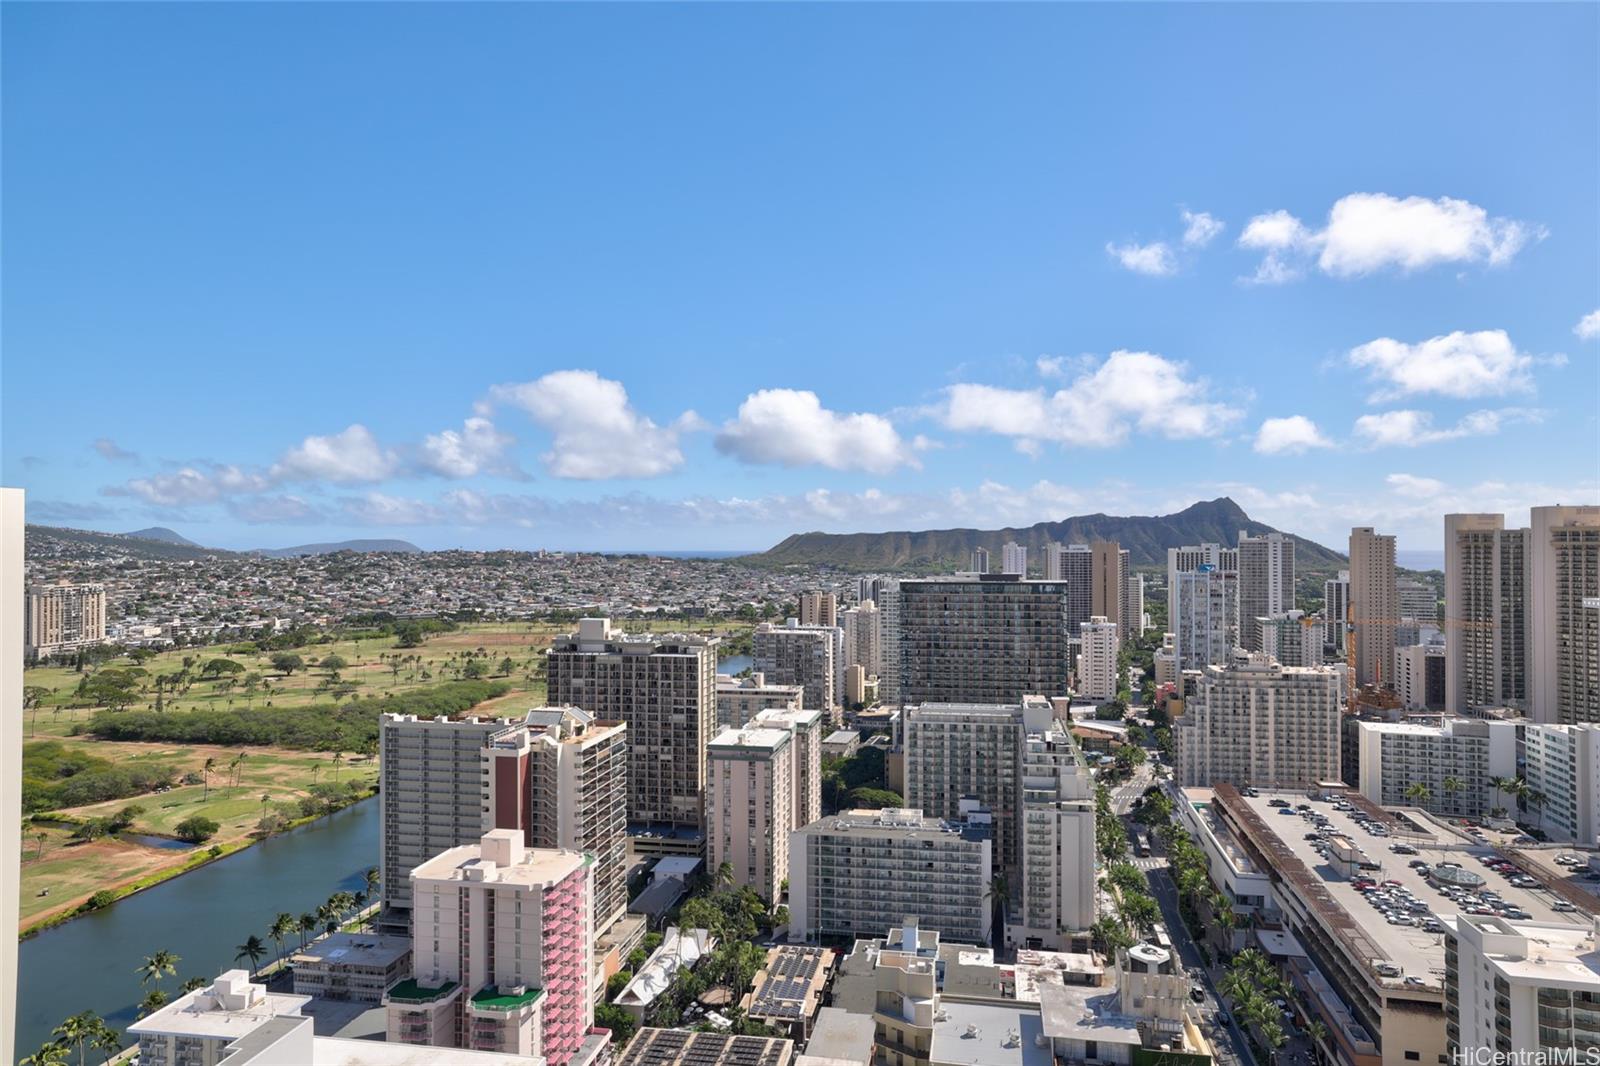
(50, 1054)
(205, 776)
(79, 1029)
(725, 875)
(283, 927)
(1418, 793)
(1318, 1033)
(41, 838)
(308, 924)
(338, 760)
(157, 966)
(252, 949)
(107, 1041)
(999, 896)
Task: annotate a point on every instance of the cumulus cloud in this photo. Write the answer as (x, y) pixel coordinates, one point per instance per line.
(1410, 429)
(109, 449)
(1460, 365)
(790, 427)
(352, 456)
(596, 433)
(1293, 435)
(1588, 327)
(1370, 232)
(203, 483)
(1199, 228)
(477, 448)
(381, 509)
(1412, 485)
(1153, 260)
(1100, 407)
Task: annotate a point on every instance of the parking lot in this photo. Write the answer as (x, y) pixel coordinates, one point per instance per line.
(1397, 903)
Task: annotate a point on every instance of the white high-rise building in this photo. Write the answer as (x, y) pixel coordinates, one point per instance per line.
(750, 806)
(805, 727)
(1529, 991)
(1266, 583)
(1466, 753)
(1255, 722)
(1014, 559)
(1336, 611)
(793, 654)
(1564, 614)
(1133, 603)
(1205, 628)
(1419, 675)
(1058, 834)
(1292, 638)
(1486, 613)
(888, 601)
(863, 638)
(1374, 606)
(1193, 557)
(1097, 661)
(1562, 764)
(501, 953)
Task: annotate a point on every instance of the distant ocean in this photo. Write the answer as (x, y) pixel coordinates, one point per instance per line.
(680, 553)
(1419, 560)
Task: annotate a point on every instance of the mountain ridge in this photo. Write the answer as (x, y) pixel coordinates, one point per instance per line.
(1147, 538)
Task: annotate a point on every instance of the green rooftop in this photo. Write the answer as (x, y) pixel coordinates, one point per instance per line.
(491, 998)
(413, 991)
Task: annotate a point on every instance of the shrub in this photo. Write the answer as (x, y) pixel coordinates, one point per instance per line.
(196, 829)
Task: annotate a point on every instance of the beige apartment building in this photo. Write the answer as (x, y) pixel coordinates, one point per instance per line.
(750, 806)
(664, 686)
(805, 726)
(62, 618)
(1564, 615)
(1097, 659)
(1266, 583)
(1257, 722)
(741, 699)
(819, 609)
(1374, 606)
(502, 951)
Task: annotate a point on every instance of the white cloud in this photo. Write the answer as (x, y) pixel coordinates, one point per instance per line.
(1369, 232)
(1289, 436)
(1588, 327)
(1199, 228)
(262, 509)
(352, 456)
(596, 433)
(1461, 365)
(1410, 429)
(193, 484)
(478, 447)
(381, 509)
(790, 427)
(1411, 485)
(1099, 408)
(109, 449)
(1153, 260)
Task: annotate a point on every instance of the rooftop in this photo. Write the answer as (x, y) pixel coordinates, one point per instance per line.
(1554, 956)
(789, 985)
(531, 867)
(1363, 929)
(413, 991)
(1086, 1012)
(988, 1034)
(494, 998)
(751, 737)
(230, 1007)
(841, 1036)
(354, 949)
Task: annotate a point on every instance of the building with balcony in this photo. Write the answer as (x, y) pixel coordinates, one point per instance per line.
(351, 966)
(1522, 987)
(808, 656)
(750, 807)
(981, 638)
(663, 686)
(1266, 583)
(502, 951)
(860, 871)
(1454, 760)
(741, 699)
(63, 618)
(1562, 764)
(1256, 722)
(1097, 660)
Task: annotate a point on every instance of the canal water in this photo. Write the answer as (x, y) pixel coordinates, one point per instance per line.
(202, 916)
(732, 664)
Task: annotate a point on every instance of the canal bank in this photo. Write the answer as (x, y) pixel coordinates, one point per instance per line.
(202, 916)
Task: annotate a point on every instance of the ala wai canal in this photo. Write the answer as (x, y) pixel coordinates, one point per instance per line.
(201, 916)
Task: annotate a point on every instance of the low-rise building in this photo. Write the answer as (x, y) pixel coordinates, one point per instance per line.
(860, 871)
(786, 993)
(352, 966)
(680, 950)
(740, 699)
(841, 743)
(679, 1047)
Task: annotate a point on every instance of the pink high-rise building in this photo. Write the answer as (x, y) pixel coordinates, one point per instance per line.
(501, 951)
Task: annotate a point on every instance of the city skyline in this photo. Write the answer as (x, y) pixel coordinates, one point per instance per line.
(337, 272)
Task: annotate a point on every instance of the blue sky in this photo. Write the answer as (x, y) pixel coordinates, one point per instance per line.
(701, 276)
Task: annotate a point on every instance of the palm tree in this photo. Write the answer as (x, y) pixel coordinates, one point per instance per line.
(999, 896)
(252, 949)
(205, 776)
(1318, 1033)
(266, 798)
(193, 984)
(308, 924)
(157, 966)
(41, 838)
(152, 1002)
(107, 1041)
(50, 1054)
(283, 927)
(725, 875)
(338, 759)
(1418, 793)
(79, 1029)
